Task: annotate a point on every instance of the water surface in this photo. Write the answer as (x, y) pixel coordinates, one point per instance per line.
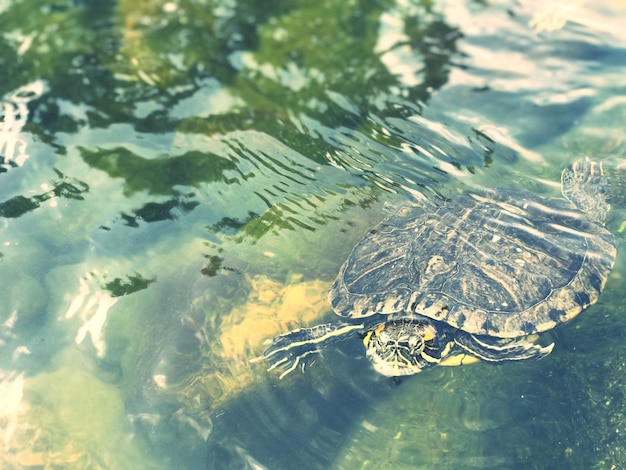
(181, 181)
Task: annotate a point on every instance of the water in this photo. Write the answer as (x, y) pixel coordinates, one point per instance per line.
(181, 181)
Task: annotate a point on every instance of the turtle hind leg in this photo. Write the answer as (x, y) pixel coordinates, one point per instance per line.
(297, 348)
(501, 350)
(584, 185)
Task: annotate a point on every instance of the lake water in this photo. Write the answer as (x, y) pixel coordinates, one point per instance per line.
(181, 181)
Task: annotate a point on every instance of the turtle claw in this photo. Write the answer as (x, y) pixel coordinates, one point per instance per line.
(297, 348)
(290, 351)
(289, 364)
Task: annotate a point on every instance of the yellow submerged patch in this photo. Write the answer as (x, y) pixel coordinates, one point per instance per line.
(271, 309)
(458, 360)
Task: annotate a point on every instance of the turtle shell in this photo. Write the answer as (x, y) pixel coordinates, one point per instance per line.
(503, 263)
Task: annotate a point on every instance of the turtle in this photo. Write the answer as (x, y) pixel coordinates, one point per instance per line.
(475, 276)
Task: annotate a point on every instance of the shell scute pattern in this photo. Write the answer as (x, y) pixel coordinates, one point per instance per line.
(500, 263)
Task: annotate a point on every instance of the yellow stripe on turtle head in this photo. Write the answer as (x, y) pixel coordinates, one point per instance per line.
(379, 328)
(429, 333)
(368, 335)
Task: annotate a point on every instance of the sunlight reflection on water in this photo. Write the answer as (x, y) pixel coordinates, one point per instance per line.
(181, 183)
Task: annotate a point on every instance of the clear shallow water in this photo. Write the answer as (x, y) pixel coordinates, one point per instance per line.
(182, 181)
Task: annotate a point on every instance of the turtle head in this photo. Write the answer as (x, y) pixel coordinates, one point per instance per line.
(403, 346)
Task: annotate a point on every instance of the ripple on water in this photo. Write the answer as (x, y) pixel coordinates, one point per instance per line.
(239, 190)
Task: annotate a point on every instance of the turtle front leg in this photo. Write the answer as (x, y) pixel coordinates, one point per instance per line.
(296, 348)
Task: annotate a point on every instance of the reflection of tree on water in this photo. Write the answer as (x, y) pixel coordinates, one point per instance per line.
(278, 89)
(64, 187)
(161, 175)
(262, 123)
(315, 65)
